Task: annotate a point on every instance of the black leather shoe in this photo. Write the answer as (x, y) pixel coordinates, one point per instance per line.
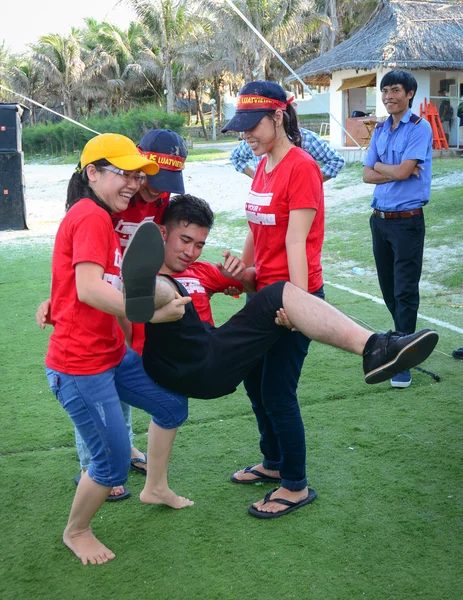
(142, 260)
(458, 353)
(388, 354)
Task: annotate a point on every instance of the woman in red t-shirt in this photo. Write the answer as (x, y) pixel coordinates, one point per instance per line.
(169, 151)
(89, 368)
(285, 211)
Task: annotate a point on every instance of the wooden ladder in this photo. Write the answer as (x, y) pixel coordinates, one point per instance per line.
(431, 114)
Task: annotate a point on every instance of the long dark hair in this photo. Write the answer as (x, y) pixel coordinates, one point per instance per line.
(79, 186)
(290, 124)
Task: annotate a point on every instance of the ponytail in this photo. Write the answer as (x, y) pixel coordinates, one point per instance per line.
(291, 125)
(79, 187)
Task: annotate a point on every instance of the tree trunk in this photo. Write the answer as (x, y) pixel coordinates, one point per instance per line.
(334, 23)
(199, 102)
(189, 107)
(330, 28)
(259, 70)
(218, 99)
(169, 81)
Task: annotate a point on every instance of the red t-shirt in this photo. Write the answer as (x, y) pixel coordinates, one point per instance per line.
(85, 340)
(125, 223)
(295, 183)
(201, 280)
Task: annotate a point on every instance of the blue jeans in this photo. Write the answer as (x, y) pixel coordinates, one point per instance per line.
(82, 450)
(94, 404)
(271, 387)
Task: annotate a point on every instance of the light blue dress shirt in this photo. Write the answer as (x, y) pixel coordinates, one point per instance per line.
(408, 141)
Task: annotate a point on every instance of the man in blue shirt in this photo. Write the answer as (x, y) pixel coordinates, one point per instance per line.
(313, 144)
(398, 162)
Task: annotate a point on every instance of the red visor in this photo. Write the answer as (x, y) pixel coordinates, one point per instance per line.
(251, 102)
(170, 162)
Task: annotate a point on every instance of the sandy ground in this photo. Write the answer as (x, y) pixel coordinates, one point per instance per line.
(215, 181)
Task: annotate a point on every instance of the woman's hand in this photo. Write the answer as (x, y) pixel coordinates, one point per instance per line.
(282, 320)
(43, 315)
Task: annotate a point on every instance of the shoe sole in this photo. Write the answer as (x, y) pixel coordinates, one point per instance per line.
(409, 356)
(142, 260)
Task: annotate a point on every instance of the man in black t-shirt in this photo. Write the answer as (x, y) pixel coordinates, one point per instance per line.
(197, 359)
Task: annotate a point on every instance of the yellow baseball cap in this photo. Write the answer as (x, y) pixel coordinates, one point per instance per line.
(120, 151)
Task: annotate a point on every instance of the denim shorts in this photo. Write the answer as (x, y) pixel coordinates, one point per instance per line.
(93, 403)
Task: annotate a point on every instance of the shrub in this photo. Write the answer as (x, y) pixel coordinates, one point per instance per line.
(65, 137)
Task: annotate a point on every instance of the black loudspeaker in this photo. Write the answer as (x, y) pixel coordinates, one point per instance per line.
(12, 202)
(10, 127)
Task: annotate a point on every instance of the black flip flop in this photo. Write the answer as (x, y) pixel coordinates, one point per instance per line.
(143, 257)
(291, 505)
(126, 493)
(134, 461)
(260, 477)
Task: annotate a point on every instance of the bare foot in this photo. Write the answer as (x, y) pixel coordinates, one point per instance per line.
(87, 547)
(246, 475)
(165, 496)
(274, 507)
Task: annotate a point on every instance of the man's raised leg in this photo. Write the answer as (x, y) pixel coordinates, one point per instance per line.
(384, 355)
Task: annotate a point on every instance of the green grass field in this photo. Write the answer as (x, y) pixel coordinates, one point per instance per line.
(386, 463)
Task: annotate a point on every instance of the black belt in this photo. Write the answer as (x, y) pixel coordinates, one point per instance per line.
(403, 214)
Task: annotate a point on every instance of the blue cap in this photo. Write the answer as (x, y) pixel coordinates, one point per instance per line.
(255, 100)
(169, 151)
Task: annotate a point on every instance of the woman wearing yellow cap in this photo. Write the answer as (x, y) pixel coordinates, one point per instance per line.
(89, 367)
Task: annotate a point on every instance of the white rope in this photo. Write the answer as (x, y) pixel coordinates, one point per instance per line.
(49, 109)
(377, 300)
(283, 62)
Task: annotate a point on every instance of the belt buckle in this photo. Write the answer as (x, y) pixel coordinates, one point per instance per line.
(381, 214)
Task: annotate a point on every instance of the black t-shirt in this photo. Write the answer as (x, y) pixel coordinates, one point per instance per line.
(176, 350)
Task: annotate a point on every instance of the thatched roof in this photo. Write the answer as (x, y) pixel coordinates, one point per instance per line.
(399, 34)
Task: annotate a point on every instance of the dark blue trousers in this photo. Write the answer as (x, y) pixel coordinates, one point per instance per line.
(271, 387)
(398, 250)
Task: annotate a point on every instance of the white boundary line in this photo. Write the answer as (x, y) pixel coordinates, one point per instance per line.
(379, 301)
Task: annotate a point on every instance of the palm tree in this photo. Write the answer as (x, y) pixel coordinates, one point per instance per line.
(6, 60)
(340, 17)
(62, 64)
(27, 79)
(283, 23)
(169, 25)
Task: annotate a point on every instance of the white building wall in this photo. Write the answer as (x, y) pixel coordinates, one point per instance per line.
(338, 110)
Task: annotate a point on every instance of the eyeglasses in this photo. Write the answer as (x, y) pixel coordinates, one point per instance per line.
(139, 178)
